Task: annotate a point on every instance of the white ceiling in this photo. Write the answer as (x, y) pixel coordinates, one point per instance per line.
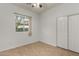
(37, 10)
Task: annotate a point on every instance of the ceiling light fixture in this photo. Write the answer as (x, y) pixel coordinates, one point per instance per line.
(37, 5)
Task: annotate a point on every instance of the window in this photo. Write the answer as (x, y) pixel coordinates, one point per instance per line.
(23, 23)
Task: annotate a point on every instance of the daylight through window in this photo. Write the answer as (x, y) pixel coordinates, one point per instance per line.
(22, 23)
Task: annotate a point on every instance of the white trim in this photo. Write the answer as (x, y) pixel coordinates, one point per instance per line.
(18, 46)
(48, 43)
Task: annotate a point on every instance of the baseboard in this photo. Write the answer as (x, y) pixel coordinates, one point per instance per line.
(22, 44)
(48, 43)
(18, 46)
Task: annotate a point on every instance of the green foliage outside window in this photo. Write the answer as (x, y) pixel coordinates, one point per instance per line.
(22, 23)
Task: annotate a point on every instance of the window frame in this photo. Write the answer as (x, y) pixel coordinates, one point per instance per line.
(30, 23)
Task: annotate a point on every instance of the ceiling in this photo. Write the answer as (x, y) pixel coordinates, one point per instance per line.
(37, 10)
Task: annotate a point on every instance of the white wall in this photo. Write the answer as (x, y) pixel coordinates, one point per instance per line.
(9, 38)
(48, 21)
(43, 25)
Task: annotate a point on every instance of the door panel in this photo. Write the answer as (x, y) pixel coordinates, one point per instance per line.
(62, 32)
(74, 33)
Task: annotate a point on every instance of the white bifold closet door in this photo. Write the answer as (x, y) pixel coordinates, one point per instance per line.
(62, 32)
(74, 33)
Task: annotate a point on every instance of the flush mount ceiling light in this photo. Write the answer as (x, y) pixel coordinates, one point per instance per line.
(37, 5)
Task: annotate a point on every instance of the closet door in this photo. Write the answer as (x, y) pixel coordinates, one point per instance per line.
(74, 33)
(62, 32)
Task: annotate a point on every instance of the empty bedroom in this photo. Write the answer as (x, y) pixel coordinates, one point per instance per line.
(39, 29)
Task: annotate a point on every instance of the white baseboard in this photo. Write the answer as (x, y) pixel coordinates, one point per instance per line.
(22, 44)
(48, 43)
